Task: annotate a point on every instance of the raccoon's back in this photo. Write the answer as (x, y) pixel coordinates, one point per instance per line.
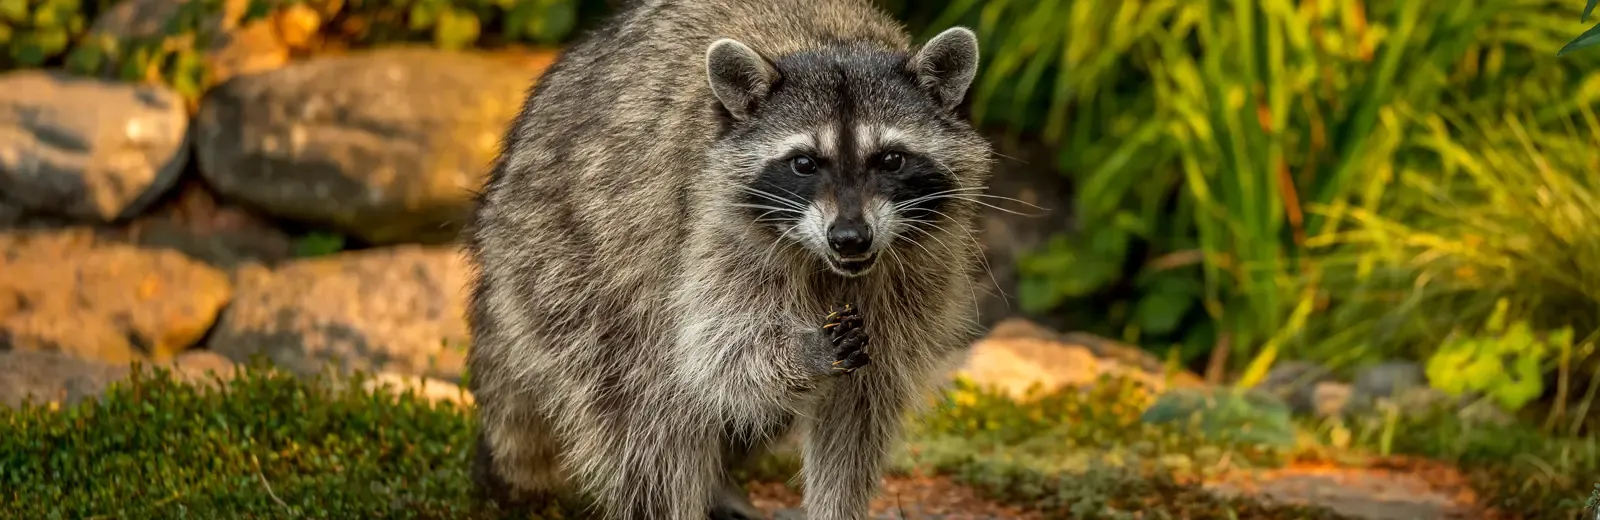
(591, 198)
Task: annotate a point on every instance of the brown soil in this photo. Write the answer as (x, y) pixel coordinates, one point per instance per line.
(907, 498)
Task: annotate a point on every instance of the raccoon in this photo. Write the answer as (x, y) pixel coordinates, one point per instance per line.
(716, 224)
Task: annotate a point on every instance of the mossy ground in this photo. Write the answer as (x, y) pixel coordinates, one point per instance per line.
(267, 445)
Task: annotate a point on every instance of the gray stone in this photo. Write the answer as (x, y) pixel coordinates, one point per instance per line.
(45, 377)
(398, 309)
(64, 379)
(1387, 380)
(387, 144)
(1329, 399)
(1295, 382)
(89, 149)
(64, 290)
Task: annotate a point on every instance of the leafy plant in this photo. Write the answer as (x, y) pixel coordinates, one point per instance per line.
(318, 243)
(36, 31)
(1505, 364)
(1588, 38)
(1500, 211)
(1199, 133)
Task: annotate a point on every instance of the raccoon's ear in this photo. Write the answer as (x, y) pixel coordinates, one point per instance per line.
(740, 78)
(947, 64)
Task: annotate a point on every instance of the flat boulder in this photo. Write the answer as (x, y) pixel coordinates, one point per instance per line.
(387, 145)
(63, 379)
(64, 290)
(397, 309)
(89, 149)
(46, 377)
(1019, 354)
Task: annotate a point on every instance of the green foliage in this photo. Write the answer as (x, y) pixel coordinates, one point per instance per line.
(458, 24)
(318, 243)
(174, 51)
(1115, 423)
(1506, 365)
(1227, 415)
(35, 31)
(1509, 215)
(1200, 132)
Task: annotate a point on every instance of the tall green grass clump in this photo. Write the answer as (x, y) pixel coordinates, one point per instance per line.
(1199, 132)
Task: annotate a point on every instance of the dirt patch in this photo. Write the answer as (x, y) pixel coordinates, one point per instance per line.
(904, 498)
(1390, 489)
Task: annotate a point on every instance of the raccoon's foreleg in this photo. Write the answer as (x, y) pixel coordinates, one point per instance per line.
(848, 437)
(749, 372)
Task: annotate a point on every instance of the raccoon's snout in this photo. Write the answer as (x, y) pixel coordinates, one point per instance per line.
(850, 239)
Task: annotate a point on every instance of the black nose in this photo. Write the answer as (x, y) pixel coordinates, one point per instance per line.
(849, 239)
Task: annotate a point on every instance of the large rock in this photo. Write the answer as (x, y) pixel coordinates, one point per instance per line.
(63, 290)
(398, 309)
(1018, 354)
(85, 148)
(388, 145)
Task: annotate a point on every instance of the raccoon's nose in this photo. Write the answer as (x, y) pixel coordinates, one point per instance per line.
(849, 239)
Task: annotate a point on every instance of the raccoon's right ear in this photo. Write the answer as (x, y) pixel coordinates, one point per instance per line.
(740, 78)
(947, 64)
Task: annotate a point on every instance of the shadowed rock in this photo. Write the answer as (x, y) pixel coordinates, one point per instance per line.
(388, 145)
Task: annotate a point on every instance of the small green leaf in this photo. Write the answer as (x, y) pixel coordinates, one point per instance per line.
(1589, 38)
(555, 22)
(53, 41)
(187, 72)
(1160, 312)
(457, 29)
(1587, 10)
(14, 10)
(86, 58)
(422, 16)
(519, 20)
(257, 9)
(45, 18)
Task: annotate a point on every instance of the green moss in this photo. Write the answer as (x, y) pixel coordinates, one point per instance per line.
(261, 445)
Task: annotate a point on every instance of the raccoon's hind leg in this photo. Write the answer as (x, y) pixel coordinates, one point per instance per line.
(515, 461)
(732, 502)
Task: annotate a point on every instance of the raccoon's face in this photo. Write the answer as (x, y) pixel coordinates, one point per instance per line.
(850, 151)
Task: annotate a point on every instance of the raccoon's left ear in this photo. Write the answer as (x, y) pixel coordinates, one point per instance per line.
(947, 64)
(740, 78)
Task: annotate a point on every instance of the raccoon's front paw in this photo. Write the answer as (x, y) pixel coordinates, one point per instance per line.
(848, 339)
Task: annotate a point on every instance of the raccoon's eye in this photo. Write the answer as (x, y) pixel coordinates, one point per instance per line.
(803, 165)
(891, 161)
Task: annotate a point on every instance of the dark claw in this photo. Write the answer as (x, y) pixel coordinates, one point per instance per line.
(844, 328)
